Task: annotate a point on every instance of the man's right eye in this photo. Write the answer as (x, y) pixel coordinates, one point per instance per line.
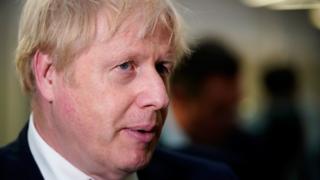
(126, 66)
(125, 71)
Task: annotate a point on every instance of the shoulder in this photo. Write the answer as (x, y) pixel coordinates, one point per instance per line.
(172, 165)
(9, 160)
(8, 154)
(16, 161)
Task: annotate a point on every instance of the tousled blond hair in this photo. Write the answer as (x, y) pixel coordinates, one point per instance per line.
(64, 28)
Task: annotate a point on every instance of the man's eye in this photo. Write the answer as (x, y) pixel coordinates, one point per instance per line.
(163, 69)
(127, 66)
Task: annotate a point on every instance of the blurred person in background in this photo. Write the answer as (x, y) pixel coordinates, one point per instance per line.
(283, 132)
(97, 75)
(205, 94)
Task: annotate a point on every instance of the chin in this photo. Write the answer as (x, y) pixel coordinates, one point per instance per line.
(138, 160)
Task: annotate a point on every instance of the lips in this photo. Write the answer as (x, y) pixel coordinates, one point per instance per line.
(142, 133)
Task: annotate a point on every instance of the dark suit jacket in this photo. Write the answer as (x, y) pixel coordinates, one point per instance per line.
(16, 162)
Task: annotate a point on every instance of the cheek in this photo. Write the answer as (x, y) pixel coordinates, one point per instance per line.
(67, 107)
(64, 107)
(75, 112)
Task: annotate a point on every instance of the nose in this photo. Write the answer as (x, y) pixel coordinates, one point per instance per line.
(152, 92)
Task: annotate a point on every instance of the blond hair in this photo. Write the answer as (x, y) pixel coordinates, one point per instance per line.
(64, 28)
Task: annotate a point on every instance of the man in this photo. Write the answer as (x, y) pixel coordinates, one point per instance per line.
(96, 71)
(281, 112)
(205, 94)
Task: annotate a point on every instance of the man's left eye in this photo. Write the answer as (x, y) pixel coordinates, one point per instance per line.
(163, 69)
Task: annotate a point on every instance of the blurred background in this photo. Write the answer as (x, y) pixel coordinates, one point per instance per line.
(273, 39)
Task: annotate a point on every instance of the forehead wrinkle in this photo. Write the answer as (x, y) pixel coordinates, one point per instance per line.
(127, 38)
(104, 31)
(102, 27)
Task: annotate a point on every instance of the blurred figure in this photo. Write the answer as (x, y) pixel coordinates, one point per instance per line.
(205, 94)
(284, 136)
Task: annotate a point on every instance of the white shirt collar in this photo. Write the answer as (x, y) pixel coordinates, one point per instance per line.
(51, 164)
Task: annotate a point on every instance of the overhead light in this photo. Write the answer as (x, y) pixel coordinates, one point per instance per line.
(312, 5)
(284, 4)
(296, 4)
(315, 17)
(261, 3)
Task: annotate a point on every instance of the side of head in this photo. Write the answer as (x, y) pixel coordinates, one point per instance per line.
(97, 71)
(205, 91)
(281, 82)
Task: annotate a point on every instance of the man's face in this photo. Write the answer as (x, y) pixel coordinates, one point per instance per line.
(112, 112)
(213, 113)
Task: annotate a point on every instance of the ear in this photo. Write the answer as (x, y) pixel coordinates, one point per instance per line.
(44, 73)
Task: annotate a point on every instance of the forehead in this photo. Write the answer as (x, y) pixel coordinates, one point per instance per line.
(131, 29)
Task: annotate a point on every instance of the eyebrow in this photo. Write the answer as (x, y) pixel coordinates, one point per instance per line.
(169, 58)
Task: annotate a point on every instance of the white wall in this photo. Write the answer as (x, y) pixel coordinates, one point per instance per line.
(13, 106)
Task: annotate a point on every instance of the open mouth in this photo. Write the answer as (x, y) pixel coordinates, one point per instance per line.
(140, 134)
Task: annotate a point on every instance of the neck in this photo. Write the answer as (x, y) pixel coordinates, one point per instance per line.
(46, 127)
